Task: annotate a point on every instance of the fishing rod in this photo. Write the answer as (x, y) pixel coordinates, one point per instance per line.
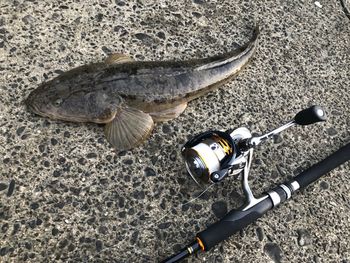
(211, 156)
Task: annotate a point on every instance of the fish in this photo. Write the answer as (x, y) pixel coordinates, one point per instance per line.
(130, 96)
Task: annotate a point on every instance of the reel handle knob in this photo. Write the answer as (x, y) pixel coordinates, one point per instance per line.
(219, 175)
(310, 115)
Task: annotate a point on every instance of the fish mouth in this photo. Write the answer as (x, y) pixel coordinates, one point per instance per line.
(34, 109)
(30, 105)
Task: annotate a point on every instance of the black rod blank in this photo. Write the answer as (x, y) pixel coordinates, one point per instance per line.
(321, 168)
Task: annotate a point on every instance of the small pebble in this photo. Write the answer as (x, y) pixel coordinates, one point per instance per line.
(273, 251)
(99, 245)
(3, 251)
(28, 19)
(120, 3)
(56, 173)
(128, 161)
(277, 138)
(260, 233)
(20, 130)
(82, 161)
(324, 185)
(39, 221)
(54, 141)
(318, 4)
(54, 231)
(331, 131)
(66, 134)
(91, 155)
(4, 227)
(166, 128)
(11, 188)
(198, 2)
(71, 247)
(34, 206)
(32, 223)
(304, 237)
(146, 39)
(164, 225)
(161, 35)
(16, 228)
(63, 243)
(28, 245)
(149, 172)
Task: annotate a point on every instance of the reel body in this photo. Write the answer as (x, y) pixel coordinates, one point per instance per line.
(211, 156)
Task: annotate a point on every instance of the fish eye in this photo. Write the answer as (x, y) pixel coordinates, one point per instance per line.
(58, 102)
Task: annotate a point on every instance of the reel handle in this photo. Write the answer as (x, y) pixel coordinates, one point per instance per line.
(305, 117)
(310, 115)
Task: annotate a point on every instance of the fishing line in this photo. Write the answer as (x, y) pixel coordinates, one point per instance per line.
(166, 213)
(195, 198)
(180, 206)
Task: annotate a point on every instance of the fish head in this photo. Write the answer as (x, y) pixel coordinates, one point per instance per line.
(76, 102)
(46, 100)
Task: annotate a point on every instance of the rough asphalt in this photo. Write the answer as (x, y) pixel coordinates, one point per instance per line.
(66, 196)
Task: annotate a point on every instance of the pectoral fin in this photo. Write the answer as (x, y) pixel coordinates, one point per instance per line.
(168, 114)
(118, 58)
(129, 128)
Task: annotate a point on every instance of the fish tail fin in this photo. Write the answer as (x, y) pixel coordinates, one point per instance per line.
(256, 33)
(253, 39)
(250, 45)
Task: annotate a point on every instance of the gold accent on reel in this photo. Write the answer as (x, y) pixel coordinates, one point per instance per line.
(224, 144)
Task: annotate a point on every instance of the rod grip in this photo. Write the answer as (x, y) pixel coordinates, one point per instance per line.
(233, 222)
(317, 170)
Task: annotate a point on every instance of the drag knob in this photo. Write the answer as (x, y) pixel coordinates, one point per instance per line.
(311, 115)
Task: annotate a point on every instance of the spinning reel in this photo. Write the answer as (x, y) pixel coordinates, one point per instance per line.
(213, 155)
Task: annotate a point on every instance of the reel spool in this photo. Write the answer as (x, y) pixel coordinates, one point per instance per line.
(208, 153)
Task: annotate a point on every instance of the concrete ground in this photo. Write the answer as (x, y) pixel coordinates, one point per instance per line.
(66, 196)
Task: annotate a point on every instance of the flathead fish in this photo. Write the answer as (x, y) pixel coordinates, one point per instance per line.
(130, 96)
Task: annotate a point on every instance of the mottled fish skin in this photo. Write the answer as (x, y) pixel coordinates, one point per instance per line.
(148, 86)
(100, 91)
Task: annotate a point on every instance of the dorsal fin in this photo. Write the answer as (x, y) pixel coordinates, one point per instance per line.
(118, 58)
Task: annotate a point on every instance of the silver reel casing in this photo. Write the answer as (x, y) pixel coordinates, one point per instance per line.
(211, 154)
(205, 158)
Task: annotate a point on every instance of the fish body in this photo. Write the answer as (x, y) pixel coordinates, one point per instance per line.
(129, 96)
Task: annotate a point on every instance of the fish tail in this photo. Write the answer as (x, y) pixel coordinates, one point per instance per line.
(253, 40)
(256, 32)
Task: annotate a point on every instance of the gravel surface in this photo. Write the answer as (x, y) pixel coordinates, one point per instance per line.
(67, 196)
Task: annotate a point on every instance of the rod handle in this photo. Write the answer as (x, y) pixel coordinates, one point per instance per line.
(233, 222)
(310, 115)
